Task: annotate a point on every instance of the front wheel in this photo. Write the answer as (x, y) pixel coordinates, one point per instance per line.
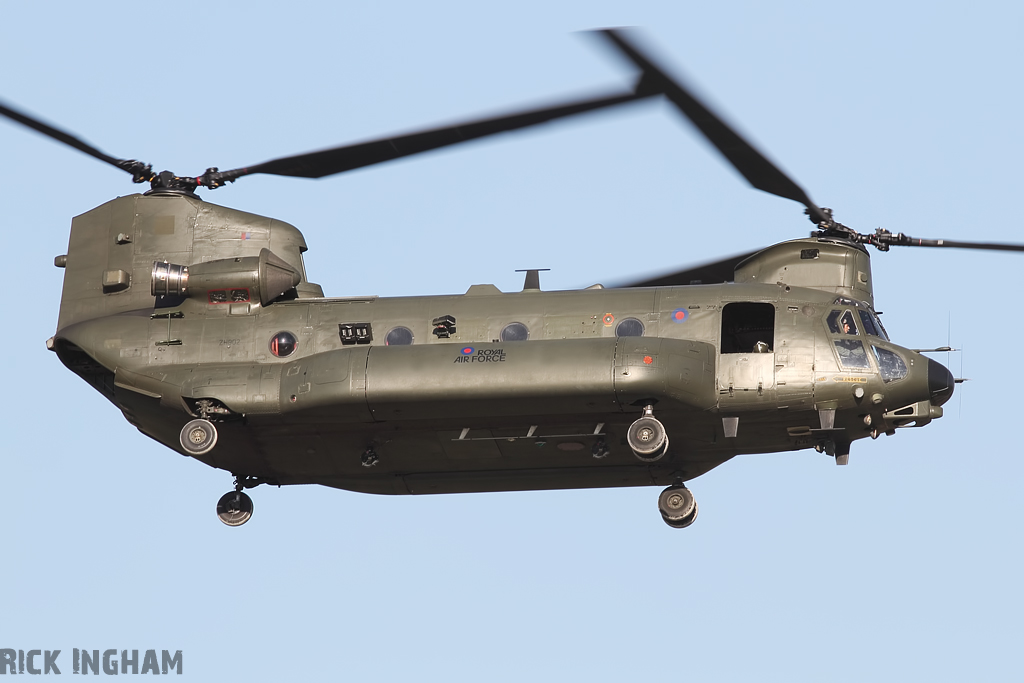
(198, 437)
(677, 507)
(648, 439)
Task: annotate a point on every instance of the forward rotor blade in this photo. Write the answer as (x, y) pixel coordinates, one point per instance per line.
(705, 274)
(907, 241)
(340, 159)
(752, 165)
(136, 168)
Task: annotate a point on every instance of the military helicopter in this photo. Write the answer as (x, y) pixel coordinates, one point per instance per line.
(199, 323)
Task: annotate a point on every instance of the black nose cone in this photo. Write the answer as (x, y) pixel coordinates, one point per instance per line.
(940, 382)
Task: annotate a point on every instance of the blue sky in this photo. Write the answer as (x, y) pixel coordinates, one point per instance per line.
(905, 564)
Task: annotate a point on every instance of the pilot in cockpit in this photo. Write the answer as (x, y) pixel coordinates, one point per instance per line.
(847, 324)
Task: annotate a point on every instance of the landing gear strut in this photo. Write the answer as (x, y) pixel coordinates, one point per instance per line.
(677, 506)
(647, 437)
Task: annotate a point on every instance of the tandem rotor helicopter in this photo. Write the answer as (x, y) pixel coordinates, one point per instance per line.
(199, 323)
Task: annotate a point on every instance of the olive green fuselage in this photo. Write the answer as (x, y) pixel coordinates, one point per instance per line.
(466, 411)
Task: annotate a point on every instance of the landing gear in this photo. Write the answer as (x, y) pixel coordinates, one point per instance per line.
(198, 437)
(677, 506)
(234, 508)
(647, 437)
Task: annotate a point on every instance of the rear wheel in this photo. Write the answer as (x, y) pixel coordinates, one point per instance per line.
(234, 508)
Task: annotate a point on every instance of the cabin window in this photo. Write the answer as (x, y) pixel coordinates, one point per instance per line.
(629, 327)
(398, 336)
(852, 353)
(515, 332)
(283, 344)
(890, 364)
(748, 328)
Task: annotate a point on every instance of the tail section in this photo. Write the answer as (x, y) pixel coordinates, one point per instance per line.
(112, 248)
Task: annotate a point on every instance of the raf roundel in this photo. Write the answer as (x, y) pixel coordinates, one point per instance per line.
(467, 350)
(679, 315)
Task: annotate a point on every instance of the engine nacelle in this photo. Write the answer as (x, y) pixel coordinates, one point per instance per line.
(249, 278)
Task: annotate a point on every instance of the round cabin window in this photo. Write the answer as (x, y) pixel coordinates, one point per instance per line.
(283, 344)
(398, 336)
(630, 327)
(515, 332)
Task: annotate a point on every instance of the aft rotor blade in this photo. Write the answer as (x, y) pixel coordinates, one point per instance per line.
(752, 165)
(704, 274)
(340, 159)
(136, 168)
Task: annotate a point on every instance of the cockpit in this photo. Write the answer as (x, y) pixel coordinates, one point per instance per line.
(852, 324)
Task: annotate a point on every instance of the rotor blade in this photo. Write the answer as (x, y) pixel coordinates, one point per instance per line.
(704, 274)
(339, 159)
(907, 241)
(137, 169)
(752, 165)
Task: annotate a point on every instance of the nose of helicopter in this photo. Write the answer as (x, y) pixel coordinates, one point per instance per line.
(940, 382)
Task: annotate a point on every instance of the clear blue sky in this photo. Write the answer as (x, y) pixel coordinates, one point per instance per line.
(903, 566)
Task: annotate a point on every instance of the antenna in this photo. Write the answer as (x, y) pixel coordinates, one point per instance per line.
(532, 280)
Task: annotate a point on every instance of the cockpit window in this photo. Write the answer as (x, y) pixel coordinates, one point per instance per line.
(852, 353)
(748, 328)
(847, 323)
(881, 328)
(842, 322)
(869, 323)
(890, 364)
(833, 321)
(872, 325)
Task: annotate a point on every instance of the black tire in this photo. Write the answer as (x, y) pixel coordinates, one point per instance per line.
(677, 507)
(676, 502)
(234, 508)
(198, 437)
(683, 523)
(648, 439)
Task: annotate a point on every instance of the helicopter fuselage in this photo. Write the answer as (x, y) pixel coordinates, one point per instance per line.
(482, 391)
